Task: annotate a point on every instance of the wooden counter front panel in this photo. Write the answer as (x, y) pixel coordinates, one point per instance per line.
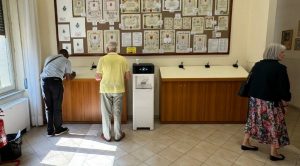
(81, 102)
(201, 102)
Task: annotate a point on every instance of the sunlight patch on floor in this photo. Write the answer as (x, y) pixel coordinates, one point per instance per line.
(86, 144)
(75, 158)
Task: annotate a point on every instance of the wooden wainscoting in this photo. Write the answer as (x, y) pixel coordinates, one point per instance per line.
(81, 102)
(201, 101)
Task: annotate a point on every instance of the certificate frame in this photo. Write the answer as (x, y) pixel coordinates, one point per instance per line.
(130, 6)
(167, 5)
(152, 21)
(286, 39)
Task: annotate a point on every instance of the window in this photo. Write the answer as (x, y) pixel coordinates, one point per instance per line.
(7, 81)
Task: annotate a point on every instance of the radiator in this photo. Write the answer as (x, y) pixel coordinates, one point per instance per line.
(16, 115)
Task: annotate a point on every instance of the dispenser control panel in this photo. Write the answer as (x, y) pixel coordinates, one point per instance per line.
(143, 68)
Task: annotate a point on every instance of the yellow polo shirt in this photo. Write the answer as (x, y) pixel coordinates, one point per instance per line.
(112, 67)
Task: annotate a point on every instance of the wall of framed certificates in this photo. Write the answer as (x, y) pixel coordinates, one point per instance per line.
(144, 27)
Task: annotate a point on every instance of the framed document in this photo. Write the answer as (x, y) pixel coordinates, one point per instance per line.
(186, 23)
(223, 45)
(64, 32)
(197, 25)
(209, 23)
(95, 41)
(126, 39)
(167, 40)
(223, 23)
(152, 21)
(79, 7)
(64, 10)
(189, 8)
(77, 27)
(168, 23)
(221, 7)
(130, 6)
(137, 39)
(286, 39)
(149, 6)
(171, 5)
(111, 10)
(213, 45)
(93, 10)
(78, 46)
(131, 21)
(199, 43)
(151, 41)
(177, 23)
(205, 7)
(183, 42)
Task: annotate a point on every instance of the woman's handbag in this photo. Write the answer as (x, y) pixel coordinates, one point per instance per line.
(245, 86)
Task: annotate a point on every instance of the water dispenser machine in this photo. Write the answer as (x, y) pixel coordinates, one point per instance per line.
(143, 96)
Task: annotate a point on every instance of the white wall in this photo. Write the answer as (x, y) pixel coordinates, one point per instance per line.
(287, 18)
(248, 37)
(47, 27)
(257, 30)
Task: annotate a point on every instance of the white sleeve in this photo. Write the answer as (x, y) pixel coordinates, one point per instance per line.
(68, 67)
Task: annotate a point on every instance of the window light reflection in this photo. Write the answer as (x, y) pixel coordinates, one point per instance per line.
(75, 158)
(86, 144)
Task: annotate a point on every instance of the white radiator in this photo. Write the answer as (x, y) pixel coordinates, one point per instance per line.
(16, 115)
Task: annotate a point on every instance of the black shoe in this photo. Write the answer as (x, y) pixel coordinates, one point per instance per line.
(51, 134)
(61, 131)
(275, 158)
(253, 148)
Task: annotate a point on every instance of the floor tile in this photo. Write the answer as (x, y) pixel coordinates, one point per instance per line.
(167, 144)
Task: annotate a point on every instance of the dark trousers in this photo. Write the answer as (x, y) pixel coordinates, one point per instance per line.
(53, 95)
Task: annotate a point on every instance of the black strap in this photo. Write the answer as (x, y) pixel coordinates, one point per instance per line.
(52, 60)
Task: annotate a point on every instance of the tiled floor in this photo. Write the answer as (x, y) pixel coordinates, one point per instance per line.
(168, 144)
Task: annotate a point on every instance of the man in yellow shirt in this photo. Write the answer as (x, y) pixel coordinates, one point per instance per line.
(112, 70)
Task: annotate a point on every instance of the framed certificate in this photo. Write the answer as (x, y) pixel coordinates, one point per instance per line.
(171, 5)
(149, 6)
(152, 21)
(131, 21)
(130, 6)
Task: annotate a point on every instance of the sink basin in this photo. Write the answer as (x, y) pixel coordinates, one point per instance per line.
(202, 72)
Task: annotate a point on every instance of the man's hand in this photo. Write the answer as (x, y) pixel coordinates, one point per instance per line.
(73, 74)
(98, 77)
(70, 76)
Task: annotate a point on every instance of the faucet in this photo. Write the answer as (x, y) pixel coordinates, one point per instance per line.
(181, 65)
(93, 66)
(236, 65)
(207, 65)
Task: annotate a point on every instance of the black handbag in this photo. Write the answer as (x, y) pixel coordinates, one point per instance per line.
(245, 86)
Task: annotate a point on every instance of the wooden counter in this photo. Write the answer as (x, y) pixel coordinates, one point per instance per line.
(202, 95)
(81, 102)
